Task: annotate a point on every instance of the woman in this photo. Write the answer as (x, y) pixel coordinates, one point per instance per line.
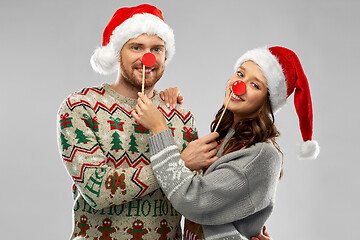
(235, 196)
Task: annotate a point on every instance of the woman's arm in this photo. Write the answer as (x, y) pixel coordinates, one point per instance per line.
(233, 190)
(240, 184)
(198, 154)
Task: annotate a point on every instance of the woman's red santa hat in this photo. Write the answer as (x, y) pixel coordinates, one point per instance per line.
(284, 74)
(126, 24)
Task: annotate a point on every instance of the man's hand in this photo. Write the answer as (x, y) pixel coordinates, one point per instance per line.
(264, 236)
(172, 96)
(148, 115)
(201, 153)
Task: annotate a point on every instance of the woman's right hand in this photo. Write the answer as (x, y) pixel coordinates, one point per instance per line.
(201, 153)
(172, 96)
(262, 236)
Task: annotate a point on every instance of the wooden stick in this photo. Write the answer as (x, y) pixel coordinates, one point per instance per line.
(143, 80)
(223, 112)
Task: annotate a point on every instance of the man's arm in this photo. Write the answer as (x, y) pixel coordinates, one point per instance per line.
(99, 184)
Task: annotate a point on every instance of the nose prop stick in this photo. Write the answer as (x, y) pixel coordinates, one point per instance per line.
(148, 60)
(238, 88)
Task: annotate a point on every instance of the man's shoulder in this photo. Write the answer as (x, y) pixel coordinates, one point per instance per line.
(180, 109)
(85, 93)
(83, 96)
(88, 92)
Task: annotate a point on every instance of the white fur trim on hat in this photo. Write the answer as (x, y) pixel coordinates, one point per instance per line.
(273, 73)
(309, 150)
(105, 59)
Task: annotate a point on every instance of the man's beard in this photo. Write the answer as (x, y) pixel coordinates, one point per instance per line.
(129, 77)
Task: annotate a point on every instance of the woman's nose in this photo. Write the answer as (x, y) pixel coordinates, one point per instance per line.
(238, 87)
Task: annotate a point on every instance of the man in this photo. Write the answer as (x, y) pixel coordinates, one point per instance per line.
(106, 152)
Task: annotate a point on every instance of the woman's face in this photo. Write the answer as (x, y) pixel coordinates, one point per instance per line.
(247, 104)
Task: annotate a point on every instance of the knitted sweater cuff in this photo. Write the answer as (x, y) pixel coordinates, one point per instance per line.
(160, 141)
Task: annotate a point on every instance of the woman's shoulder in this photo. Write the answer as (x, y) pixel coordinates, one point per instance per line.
(259, 153)
(266, 148)
(266, 151)
(266, 159)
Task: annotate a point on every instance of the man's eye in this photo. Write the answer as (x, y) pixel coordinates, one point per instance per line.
(136, 48)
(157, 50)
(240, 74)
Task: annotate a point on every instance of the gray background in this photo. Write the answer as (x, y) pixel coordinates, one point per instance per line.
(45, 50)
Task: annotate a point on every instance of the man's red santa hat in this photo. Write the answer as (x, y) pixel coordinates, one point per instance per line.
(128, 23)
(284, 74)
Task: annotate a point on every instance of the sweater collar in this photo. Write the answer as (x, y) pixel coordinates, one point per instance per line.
(229, 134)
(125, 100)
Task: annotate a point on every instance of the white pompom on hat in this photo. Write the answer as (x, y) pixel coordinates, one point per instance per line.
(284, 74)
(126, 24)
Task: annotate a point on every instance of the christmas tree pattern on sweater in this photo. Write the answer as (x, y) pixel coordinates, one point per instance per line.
(106, 153)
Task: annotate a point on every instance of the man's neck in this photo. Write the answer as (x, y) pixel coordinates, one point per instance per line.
(129, 91)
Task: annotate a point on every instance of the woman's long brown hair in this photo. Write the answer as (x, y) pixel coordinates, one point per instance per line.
(249, 131)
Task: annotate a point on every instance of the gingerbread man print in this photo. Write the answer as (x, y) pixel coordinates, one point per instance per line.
(106, 229)
(83, 226)
(137, 231)
(113, 182)
(163, 230)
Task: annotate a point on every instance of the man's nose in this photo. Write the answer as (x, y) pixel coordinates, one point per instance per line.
(148, 59)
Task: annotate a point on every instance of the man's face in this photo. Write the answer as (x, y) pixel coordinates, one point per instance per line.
(131, 65)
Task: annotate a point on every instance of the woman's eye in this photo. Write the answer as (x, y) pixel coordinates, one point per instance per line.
(240, 74)
(255, 85)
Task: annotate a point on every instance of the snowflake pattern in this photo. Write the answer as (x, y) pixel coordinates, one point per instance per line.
(105, 136)
(67, 132)
(162, 180)
(75, 97)
(81, 158)
(176, 169)
(172, 175)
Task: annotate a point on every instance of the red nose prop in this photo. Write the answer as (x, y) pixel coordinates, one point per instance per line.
(148, 59)
(238, 87)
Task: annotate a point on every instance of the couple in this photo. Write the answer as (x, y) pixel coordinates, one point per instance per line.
(121, 147)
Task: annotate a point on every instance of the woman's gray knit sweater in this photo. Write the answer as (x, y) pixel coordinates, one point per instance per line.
(235, 196)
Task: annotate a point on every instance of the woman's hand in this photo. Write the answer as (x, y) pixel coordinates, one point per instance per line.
(148, 115)
(201, 153)
(171, 96)
(264, 236)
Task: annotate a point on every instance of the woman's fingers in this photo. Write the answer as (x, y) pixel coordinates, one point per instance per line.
(172, 97)
(265, 232)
